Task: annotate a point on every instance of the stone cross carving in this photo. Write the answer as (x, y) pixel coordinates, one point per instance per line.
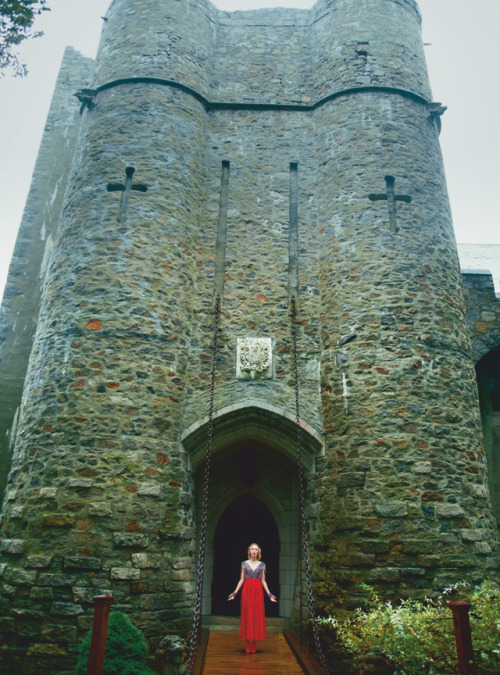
(391, 199)
(254, 357)
(126, 190)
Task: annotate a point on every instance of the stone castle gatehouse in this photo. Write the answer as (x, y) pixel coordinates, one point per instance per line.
(260, 156)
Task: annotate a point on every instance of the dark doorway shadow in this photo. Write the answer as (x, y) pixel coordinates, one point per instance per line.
(245, 521)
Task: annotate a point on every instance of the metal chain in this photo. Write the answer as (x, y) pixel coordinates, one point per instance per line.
(203, 528)
(301, 593)
(305, 548)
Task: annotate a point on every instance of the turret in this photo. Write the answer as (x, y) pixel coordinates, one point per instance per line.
(157, 38)
(368, 43)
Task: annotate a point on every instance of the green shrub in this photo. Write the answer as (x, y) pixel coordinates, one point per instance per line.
(417, 636)
(126, 649)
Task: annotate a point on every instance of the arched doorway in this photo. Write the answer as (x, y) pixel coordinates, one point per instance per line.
(252, 484)
(254, 452)
(246, 520)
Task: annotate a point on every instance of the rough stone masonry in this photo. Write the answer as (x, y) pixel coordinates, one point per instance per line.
(264, 154)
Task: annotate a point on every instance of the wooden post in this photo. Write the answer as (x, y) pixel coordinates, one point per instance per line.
(463, 638)
(102, 609)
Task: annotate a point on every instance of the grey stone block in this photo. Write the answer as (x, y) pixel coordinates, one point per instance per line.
(392, 509)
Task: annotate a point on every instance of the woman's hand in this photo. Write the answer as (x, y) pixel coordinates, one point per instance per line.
(240, 584)
(272, 598)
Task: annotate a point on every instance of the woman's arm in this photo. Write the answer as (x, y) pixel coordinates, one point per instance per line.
(240, 584)
(271, 597)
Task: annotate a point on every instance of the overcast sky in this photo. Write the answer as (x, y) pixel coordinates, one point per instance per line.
(463, 59)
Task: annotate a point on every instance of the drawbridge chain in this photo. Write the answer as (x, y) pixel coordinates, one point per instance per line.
(203, 526)
(305, 548)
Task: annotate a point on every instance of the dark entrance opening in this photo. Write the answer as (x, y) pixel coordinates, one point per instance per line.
(245, 521)
(488, 382)
(488, 376)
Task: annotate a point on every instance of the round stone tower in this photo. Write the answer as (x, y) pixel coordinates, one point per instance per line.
(257, 155)
(403, 499)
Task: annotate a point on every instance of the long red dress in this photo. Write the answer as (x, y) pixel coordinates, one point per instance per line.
(253, 619)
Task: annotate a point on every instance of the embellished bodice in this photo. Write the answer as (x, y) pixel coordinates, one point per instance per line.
(253, 573)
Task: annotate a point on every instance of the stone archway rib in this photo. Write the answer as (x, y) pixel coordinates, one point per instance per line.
(257, 420)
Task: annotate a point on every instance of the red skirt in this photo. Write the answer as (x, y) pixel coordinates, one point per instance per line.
(253, 619)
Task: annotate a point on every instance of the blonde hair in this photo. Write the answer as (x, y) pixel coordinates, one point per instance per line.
(260, 551)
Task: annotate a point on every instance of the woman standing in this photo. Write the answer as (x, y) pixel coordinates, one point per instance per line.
(253, 580)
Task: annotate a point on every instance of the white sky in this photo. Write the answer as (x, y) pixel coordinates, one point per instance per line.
(464, 66)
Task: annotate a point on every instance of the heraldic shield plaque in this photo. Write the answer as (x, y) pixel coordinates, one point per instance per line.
(254, 358)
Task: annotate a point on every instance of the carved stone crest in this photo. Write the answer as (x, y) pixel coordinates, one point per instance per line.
(254, 358)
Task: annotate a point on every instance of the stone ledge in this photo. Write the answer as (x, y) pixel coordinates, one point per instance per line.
(262, 106)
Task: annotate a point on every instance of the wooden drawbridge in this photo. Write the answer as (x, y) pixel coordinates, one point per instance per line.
(222, 652)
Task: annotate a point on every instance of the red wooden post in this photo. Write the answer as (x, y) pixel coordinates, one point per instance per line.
(463, 638)
(102, 609)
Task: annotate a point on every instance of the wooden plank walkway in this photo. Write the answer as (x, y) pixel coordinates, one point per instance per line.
(226, 656)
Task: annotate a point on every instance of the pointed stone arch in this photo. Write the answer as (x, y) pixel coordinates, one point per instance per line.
(257, 420)
(270, 431)
(245, 520)
(482, 345)
(286, 517)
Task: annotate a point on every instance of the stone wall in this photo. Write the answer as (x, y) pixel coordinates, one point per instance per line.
(483, 312)
(483, 315)
(211, 142)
